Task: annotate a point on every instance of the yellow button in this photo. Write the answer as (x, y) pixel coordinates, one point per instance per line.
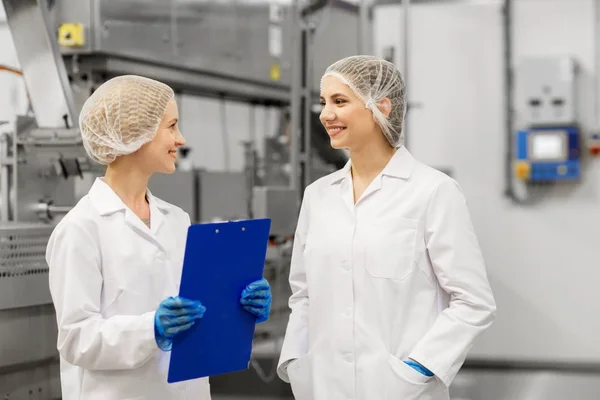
(522, 170)
(275, 72)
(71, 35)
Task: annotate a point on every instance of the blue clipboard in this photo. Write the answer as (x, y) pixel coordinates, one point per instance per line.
(220, 260)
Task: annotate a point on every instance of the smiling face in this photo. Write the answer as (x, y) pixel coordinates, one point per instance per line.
(160, 154)
(348, 122)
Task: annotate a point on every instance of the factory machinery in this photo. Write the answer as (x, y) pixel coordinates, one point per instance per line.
(258, 52)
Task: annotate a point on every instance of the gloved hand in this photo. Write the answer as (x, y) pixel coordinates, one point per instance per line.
(175, 315)
(256, 299)
(418, 367)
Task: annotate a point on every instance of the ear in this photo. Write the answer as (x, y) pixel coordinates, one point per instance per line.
(385, 106)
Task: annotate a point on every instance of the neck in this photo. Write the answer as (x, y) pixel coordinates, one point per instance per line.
(369, 161)
(128, 182)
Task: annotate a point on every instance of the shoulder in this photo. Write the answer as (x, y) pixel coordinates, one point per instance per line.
(77, 229)
(82, 218)
(440, 191)
(431, 180)
(321, 184)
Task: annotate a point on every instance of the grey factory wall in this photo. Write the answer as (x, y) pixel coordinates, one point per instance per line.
(542, 258)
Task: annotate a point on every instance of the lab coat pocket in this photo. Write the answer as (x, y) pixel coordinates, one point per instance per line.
(299, 372)
(392, 249)
(406, 383)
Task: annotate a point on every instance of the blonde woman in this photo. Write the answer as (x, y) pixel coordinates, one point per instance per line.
(116, 259)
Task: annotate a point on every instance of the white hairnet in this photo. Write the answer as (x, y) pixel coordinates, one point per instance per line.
(122, 115)
(372, 79)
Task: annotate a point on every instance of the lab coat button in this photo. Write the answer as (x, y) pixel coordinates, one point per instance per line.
(349, 357)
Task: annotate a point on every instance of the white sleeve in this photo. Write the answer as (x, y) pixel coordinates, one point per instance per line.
(85, 338)
(459, 267)
(295, 344)
(186, 219)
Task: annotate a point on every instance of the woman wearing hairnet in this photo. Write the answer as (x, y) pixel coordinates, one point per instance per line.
(389, 288)
(116, 259)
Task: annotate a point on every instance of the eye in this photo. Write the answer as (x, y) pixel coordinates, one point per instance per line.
(322, 103)
(340, 101)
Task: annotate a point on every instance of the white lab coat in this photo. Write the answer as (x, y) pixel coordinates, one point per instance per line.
(108, 275)
(398, 275)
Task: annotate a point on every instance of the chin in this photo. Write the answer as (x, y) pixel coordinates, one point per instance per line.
(170, 170)
(338, 144)
(167, 169)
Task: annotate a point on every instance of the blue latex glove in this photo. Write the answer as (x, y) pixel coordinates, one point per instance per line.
(415, 365)
(256, 299)
(175, 315)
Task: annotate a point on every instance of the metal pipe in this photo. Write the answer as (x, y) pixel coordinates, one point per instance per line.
(508, 98)
(252, 123)
(4, 181)
(364, 31)
(597, 63)
(405, 66)
(47, 211)
(50, 142)
(308, 60)
(250, 173)
(14, 179)
(295, 97)
(54, 210)
(225, 134)
(173, 30)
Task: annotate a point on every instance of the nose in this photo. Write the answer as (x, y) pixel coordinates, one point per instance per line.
(179, 139)
(326, 115)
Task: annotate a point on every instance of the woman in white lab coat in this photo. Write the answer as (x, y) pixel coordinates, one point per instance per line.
(116, 259)
(389, 287)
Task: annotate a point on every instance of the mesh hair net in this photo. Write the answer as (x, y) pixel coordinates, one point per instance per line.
(122, 115)
(373, 79)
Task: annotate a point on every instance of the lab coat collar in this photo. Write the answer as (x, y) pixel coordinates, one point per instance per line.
(104, 198)
(160, 204)
(341, 174)
(400, 166)
(107, 202)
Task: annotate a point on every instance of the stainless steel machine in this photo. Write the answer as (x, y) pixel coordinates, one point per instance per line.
(248, 51)
(40, 159)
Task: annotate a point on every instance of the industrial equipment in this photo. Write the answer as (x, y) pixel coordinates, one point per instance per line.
(548, 154)
(235, 49)
(41, 158)
(232, 50)
(549, 148)
(28, 356)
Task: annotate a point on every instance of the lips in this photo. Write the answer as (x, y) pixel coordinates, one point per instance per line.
(173, 153)
(335, 130)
